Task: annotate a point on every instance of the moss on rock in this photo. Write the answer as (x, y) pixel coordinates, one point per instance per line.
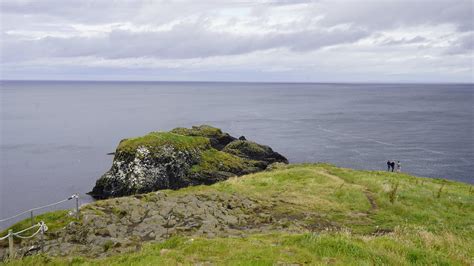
(154, 141)
(249, 149)
(203, 131)
(217, 138)
(214, 160)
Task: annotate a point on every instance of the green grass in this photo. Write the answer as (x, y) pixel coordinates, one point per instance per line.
(402, 247)
(341, 196)
(214, 160)
(54, 220)
(303, 189)
(158, 139)
(417, 202)
(420, 226)
(203, 131)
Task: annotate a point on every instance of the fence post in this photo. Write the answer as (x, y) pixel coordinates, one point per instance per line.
(10, 244)
(77, 206)
(32, 218)
(42, 237)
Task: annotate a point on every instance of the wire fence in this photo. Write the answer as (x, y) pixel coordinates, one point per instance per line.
(30, 211)
(41, 226)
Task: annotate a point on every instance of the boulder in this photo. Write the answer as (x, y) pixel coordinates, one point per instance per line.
(180, 158)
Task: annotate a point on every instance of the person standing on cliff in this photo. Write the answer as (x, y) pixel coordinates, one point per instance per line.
(388, 165)
(392, 165)
(399, 167)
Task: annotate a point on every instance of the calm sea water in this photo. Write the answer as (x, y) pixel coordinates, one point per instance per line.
(55, 135)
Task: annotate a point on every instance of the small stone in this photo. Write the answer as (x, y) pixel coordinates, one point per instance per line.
(164, 251)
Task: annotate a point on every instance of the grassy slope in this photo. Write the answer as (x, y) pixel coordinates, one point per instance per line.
(424, 225)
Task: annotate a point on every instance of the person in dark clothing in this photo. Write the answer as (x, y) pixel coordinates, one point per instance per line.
(392, 164)
(388, 165)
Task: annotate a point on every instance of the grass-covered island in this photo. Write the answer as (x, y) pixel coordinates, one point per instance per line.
(282, 214)
(180, 158)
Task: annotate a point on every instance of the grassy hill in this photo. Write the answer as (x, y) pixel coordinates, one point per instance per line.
(319, 214)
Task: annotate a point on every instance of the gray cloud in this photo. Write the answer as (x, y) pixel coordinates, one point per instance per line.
(185, 40)
(464, 45)
(373, 14)
(398, 13)
(300, 36)
(401, 41)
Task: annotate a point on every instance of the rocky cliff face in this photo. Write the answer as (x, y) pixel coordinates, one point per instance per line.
(180, 158)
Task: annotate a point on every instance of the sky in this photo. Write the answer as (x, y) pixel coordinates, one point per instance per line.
(235, 40)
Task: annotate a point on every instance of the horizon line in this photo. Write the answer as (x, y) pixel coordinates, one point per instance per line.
(229, 81)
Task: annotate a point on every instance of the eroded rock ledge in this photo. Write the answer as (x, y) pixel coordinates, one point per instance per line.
(180, 158)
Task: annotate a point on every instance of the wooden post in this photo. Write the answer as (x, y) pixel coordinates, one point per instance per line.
(32, 218)
(10, 244)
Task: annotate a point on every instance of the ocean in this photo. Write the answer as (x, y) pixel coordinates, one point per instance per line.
(55, 135)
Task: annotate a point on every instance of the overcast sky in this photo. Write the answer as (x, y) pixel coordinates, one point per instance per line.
(272, 40)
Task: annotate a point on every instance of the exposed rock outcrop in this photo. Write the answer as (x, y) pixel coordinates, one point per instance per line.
(180, 158)
(124, 224)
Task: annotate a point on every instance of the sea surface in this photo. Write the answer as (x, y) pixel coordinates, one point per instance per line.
(55, 136)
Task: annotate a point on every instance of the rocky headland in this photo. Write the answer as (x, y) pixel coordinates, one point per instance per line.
(180, 158)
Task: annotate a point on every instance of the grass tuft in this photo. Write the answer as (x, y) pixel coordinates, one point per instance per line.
(392, 194)
(440, 190)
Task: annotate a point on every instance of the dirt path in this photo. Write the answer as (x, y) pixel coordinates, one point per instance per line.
(333, 177)
(367, 193)
(371, 200)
